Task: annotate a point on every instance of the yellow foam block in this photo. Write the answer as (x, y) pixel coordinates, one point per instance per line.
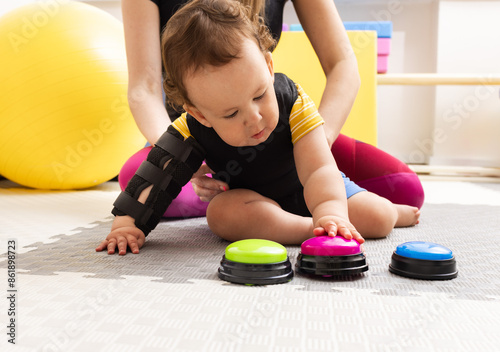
(295, 57)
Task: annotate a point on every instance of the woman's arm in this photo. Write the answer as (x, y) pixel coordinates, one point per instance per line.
(141, 23)
(325, 30)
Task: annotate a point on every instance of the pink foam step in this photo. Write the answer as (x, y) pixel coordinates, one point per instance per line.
(382, 61)
(383, 46)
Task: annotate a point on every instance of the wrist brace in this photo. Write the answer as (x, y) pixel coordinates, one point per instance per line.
(182, 158)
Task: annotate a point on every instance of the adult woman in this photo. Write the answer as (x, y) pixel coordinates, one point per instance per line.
(369, 167)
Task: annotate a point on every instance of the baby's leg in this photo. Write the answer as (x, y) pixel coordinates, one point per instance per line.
(240, 214)
(375, 217)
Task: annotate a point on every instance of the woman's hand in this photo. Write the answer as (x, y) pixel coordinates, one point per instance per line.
(206, 187)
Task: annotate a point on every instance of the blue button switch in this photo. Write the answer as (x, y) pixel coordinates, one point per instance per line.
(424, 251)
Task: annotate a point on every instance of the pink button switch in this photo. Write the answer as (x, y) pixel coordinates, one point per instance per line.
(329, 246)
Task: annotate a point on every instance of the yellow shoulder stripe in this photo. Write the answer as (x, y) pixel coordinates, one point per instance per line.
(180, 124)
(304, 116)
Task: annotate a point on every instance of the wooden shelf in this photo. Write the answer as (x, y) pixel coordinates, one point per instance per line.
(463, 171)
(433, 79)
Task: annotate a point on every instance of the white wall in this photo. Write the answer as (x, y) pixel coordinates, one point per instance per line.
(111, 6)
(6, 6)
(467, 118)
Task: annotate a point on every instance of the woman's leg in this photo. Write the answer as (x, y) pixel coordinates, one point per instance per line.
(186, 205)
(378, 172)
(241, 214)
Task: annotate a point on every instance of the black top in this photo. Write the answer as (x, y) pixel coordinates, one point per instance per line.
(274, 13)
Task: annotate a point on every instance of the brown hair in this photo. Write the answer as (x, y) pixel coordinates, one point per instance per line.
(207, 32)
(258, 6)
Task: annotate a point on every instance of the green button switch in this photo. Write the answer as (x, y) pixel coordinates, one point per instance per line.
(256, 251)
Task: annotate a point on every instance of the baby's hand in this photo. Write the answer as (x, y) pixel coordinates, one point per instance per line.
(206, 187)
(122, 237)
(335, 225)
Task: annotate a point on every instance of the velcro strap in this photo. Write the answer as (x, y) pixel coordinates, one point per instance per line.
(179, 179)
(132, 207)
(154, 174)
(178, 148)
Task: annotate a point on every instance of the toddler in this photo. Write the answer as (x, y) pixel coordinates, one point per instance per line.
(257, 130)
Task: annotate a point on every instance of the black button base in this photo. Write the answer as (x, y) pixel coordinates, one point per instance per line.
(343, 265)
(255, 274)
(423, 269)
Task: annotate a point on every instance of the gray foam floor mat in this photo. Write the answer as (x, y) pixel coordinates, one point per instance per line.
(180, 250)
(169, 298)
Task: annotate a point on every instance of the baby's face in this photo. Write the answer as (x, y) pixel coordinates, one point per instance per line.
(237, 100)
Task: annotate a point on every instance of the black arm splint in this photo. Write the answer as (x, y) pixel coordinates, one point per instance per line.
(184, 158)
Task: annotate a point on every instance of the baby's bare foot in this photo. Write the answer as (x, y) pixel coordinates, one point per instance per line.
(407, 215)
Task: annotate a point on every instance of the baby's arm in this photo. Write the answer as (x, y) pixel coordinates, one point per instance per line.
(124, 233)
(157, 182)
(324, 190)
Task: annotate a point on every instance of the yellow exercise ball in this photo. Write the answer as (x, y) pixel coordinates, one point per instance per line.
(65, 122)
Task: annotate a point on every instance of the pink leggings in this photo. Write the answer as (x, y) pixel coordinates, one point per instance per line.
(368, 166)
